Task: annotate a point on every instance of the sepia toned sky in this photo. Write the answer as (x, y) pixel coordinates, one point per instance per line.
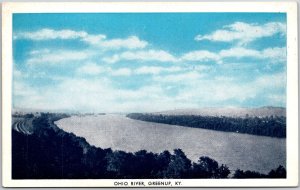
(134, 62)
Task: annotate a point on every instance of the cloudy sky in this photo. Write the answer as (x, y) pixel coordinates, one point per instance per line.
(148, 62)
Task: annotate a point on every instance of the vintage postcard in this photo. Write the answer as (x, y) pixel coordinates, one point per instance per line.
(150, 94)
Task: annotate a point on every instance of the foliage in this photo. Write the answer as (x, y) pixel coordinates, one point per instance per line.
(280, 172)
(264, 126)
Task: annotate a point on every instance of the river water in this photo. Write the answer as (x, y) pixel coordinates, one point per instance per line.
(246, 152)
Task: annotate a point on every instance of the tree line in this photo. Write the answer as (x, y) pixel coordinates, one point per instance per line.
(51, 153)
(273, 126)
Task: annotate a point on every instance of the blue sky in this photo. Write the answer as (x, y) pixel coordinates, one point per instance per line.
(130, 62)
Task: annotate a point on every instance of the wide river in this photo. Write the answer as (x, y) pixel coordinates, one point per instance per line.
(246, 152)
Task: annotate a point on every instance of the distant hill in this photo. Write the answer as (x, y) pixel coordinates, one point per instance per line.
(33, 110)
(229, 112)
(264, 121)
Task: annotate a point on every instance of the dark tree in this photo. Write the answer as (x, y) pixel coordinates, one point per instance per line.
(223, 171)
(163, 161)
(240, 174)
(280, 172)
(179, 165)
(209, 168)
(265, 126)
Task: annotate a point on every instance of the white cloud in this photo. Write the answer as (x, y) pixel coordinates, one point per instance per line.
(173, 69)
(142, 55)
(224, 78)
(187, 77)
(227, 90)
(50, 34)
(204, 90)
(121, 72)
(273, 55)
(239, 52)
(39, 52)
(100, 40)
(182, 85)
(276, 54)
(92, 95)
(276, 80)
(90, 69)
(200, 55)
(208, 92)
(238, 31)
(149, 55)
(214, 92)
(244, 33)
(69, 94)
(277, 98)
(101, 95)
(93, 39)
(132, 42)
(112, 59)
(62, 56)
(25, 96)
(21, 89)
(18, 74)
(149, 70)
(94, 69)
(56, 56)
(156, 70)
(150, 91)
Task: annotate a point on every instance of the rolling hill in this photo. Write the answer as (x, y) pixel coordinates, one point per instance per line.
(229, 112)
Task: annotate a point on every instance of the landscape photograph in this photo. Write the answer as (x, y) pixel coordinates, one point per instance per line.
(177, 95)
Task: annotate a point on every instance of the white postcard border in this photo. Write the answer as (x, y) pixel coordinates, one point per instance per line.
(292, 84)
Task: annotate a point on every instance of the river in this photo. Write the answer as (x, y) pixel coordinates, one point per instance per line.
(116, 131)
